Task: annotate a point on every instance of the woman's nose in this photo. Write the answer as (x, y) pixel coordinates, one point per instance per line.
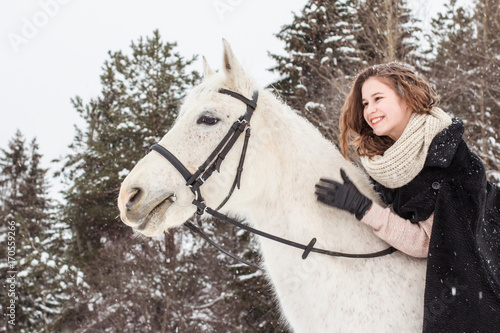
(370, 108)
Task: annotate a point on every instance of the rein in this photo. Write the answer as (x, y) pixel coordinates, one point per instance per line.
(213, 163)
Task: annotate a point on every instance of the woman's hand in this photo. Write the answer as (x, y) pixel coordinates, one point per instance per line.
(344, 196)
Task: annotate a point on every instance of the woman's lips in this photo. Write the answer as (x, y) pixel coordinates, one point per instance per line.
(376, 120)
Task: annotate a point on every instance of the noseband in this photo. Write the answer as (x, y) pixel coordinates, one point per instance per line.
(213, 163)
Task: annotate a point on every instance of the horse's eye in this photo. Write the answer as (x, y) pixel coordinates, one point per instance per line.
(207, 120)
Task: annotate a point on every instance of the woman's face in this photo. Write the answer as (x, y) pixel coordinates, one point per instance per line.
(384, 111)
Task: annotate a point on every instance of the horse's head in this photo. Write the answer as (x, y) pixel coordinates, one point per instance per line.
(147, 195)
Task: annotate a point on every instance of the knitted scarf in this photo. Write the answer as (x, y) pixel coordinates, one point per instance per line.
(406, 157)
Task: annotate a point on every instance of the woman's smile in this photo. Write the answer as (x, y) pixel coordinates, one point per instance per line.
(376, 120)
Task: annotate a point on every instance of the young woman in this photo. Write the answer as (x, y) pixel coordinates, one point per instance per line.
(439, 203)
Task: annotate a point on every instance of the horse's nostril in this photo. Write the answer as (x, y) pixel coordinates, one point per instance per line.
(134, 197)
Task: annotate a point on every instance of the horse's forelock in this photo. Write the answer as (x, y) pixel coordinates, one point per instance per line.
(198, 93)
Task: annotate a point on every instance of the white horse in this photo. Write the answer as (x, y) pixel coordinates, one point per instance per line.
(286, 157)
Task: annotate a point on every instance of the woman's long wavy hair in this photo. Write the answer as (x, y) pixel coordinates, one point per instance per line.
(355, 131)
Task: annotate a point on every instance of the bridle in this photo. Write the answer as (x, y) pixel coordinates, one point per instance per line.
(213, 162)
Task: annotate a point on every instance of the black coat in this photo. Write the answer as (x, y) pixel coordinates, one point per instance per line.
(462, 292)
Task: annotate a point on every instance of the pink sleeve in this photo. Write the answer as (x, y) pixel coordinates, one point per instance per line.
(410, 238)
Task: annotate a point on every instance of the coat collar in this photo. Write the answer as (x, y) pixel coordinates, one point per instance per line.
(445, 144)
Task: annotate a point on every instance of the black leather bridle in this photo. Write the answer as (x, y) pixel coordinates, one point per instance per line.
(213, 163)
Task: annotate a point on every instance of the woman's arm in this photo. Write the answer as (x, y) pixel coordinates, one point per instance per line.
(410, 238)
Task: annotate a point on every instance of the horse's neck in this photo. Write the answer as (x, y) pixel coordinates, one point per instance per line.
(296, 156)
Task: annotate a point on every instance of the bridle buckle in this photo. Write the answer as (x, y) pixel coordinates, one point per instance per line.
(176, 201)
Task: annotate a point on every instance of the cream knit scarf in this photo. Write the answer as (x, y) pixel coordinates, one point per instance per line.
(406, 157)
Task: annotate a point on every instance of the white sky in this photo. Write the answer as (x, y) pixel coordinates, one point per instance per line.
(53, 50)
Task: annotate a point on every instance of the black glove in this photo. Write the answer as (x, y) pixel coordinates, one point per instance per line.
(344, 196)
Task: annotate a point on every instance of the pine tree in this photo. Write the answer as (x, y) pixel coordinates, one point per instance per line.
(466, 71)
(321, 57)
(38, 242)
(329, 43)
(141, 94)
(14, 166)
(140, 98)
(387, 32)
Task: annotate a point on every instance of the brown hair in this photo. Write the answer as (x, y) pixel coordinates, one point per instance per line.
(355, 131)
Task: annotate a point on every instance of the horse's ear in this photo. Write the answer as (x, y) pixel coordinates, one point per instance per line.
(231, 66)
(207, 70)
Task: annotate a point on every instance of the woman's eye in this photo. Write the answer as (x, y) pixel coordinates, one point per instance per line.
(207, 120)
